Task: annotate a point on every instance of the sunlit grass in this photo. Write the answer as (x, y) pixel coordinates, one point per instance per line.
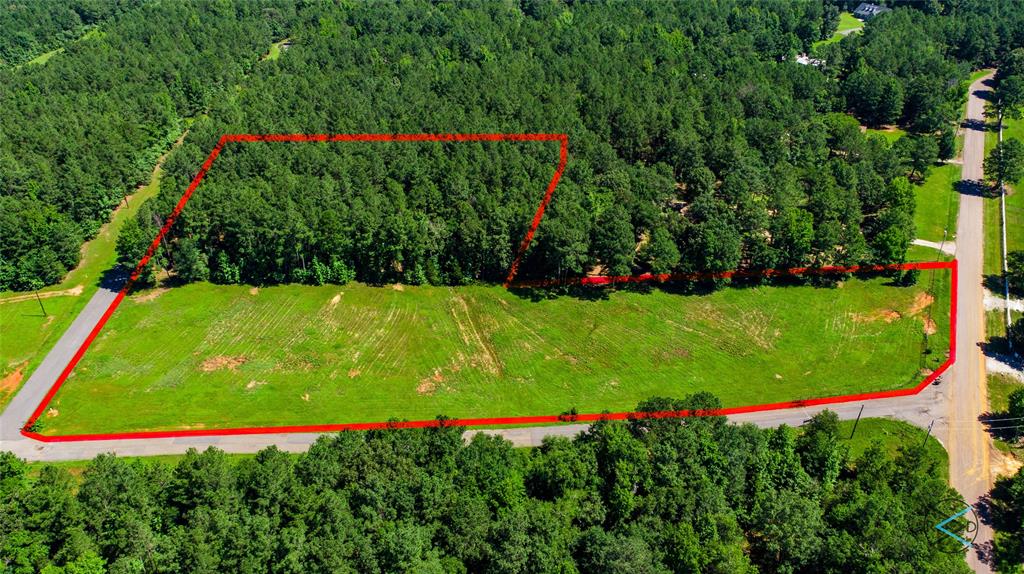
(205, 356)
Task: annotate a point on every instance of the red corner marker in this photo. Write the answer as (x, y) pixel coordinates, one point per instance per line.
(509, 282)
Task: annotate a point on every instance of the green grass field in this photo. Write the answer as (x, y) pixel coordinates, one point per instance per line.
(44, 57)
(891, 435)
(205, 356)
(999, 388)
(890, 134)
(28, 333)
(275, 50)
(937, 204)
(846, 23)
(918, 253)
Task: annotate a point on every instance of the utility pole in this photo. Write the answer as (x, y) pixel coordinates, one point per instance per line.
(40, 300)
(857, 422)
(163, 241)
(929, 433)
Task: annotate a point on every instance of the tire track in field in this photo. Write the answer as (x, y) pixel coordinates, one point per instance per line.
(374, 343)
(470, 334)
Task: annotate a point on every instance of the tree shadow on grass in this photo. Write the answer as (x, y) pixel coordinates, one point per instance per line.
(993, 282)
(115, 278)
(996, 284)
(1005, 517)
(999, 428)
(998, 347)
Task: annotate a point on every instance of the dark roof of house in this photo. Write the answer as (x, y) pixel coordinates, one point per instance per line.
(869, 9)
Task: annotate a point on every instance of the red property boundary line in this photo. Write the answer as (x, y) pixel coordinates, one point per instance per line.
(508, 283)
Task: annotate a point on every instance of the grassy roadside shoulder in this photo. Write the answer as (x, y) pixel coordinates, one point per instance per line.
(938, 204)
(891, 435)
(994, 227)
(999, 388)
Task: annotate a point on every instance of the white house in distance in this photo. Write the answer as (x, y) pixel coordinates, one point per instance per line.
(867, 11)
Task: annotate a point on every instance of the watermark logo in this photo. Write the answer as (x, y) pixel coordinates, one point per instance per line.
(958, 528)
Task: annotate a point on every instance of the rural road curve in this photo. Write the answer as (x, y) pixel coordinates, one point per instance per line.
(953, 405)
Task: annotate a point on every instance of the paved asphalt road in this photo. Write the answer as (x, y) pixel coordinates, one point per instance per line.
(954, 405)
(967, 442)
(32, 392)
(920, 410)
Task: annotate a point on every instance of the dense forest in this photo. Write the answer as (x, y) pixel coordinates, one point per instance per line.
(1007, 510)
(697, 143)
(81, 131)
(645, 496)
(696, 140)
(31, 28)
(903, 69)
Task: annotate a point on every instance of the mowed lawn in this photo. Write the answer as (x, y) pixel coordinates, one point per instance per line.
(891, 435)
(938, 203)
(993, 223)
(847, 23)
(891, 133)
(206, 356)
(1015, 199)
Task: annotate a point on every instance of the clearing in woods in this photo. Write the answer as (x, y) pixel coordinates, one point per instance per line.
(208, 356)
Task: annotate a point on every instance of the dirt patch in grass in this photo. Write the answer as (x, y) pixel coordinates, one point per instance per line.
(486, 358)
(887, 315)
(294, 363)
(674, 354)
(150, 295)
(222, 362)
(10, 383)
(254, 384)
(254, 290)
(929, 326)
(353, 373)
(428, 385)
(73, 292)
(921, 302)
(398, 287)
(1005, 464)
